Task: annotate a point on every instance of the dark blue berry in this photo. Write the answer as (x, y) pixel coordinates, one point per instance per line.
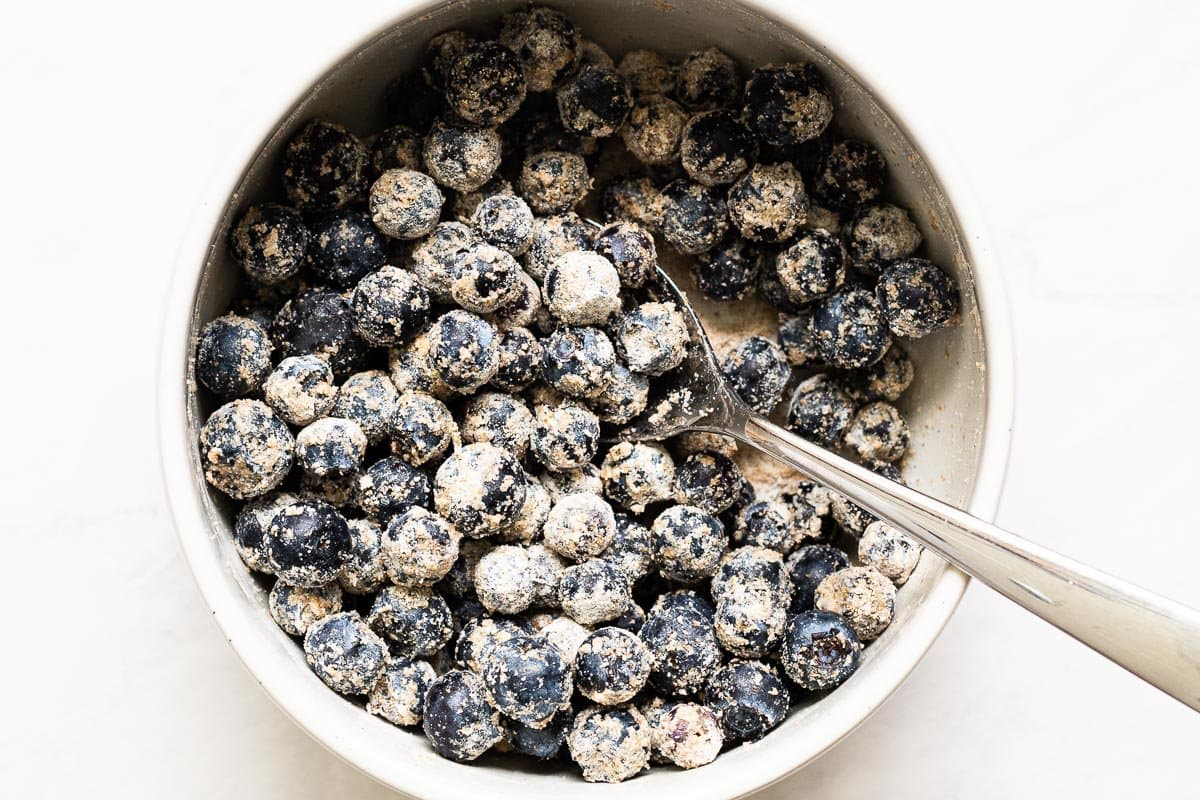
(679, 634)
(578, 361)
(344, 247)
(415, 621)
(850, 329)
(787, 104)
(749, 699)
(233, 357)
(729, 270)
(307, 542)
(917, 297)
(345, 653)
(807, 567)
(320, 322)
(391, 486)
(527, 679)
(851, 175)
(458, 720)
(324, 167)
(758, 371)
(820, 650)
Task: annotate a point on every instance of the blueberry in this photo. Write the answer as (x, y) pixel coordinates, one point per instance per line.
(300, 389)
(635, 198)
(611, 666)
(270, 241)
(797, 340)
(546, 42)
(766, 523)
(479, 635)
(610, 744)
(370, 399)
(678, 632)
(878, 433)
(464, 350)
(432, 259)
(653, 338)
(879, 233)
(580, 525)
(324, 167)
(397, 147)
(345, 247)
(331, 447)
(498, 419)
(711, 481)
(768, 204)
(554, 181)
(320, 322)
(758, 371)
(728, 271)
(886, 379)
(917, 297)
(716, 147)
(631, 549)
(527, 679)
(460, 156)
(419, 548)
(543, 742)
(694, 217)
(391, 486)
(820, 410)
(422, 429)
(593, 592)
(521, 357)
(458, 720)
(811, 267)
(250, 527)
(582, 288)
(565, 436)
(233, 357)
(624, 398)
(389, 306)
(636, 475)
(415, 621)
(787, 104)
(708, 79)
(504, 220)
(485, 278)
(246, 450)
(595, 102)
(807, 567)
(748, 698)
(295, 609)
(486, 84)
(441, 53)
(364, 571)
(345, 653)
(654, 128)
(399, 696)
(689, 543)
(631, 250)
(850, 329)
(552, 237)
(504, 580)
(820, 650)
(852, 174)
(307, 542)
(480, 489)
(577, 361)
(648, 72)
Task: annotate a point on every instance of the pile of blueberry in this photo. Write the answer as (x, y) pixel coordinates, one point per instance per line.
(410, 396)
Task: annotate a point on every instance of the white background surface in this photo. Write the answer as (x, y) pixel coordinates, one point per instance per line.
(1079, 129)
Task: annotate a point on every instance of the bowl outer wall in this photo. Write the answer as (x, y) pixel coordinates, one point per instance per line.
(345, 729)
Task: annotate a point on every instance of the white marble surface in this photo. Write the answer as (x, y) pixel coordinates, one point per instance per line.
(1078, 128)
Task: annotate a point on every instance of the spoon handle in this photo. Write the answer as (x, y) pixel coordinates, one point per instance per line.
(1151, 636)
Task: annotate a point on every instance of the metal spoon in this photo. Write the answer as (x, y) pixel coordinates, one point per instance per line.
(1151, 636)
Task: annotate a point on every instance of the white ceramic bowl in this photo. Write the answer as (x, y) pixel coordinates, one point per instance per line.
(960, 407)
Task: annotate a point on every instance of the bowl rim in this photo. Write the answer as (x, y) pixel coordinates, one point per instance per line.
(228, 606)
